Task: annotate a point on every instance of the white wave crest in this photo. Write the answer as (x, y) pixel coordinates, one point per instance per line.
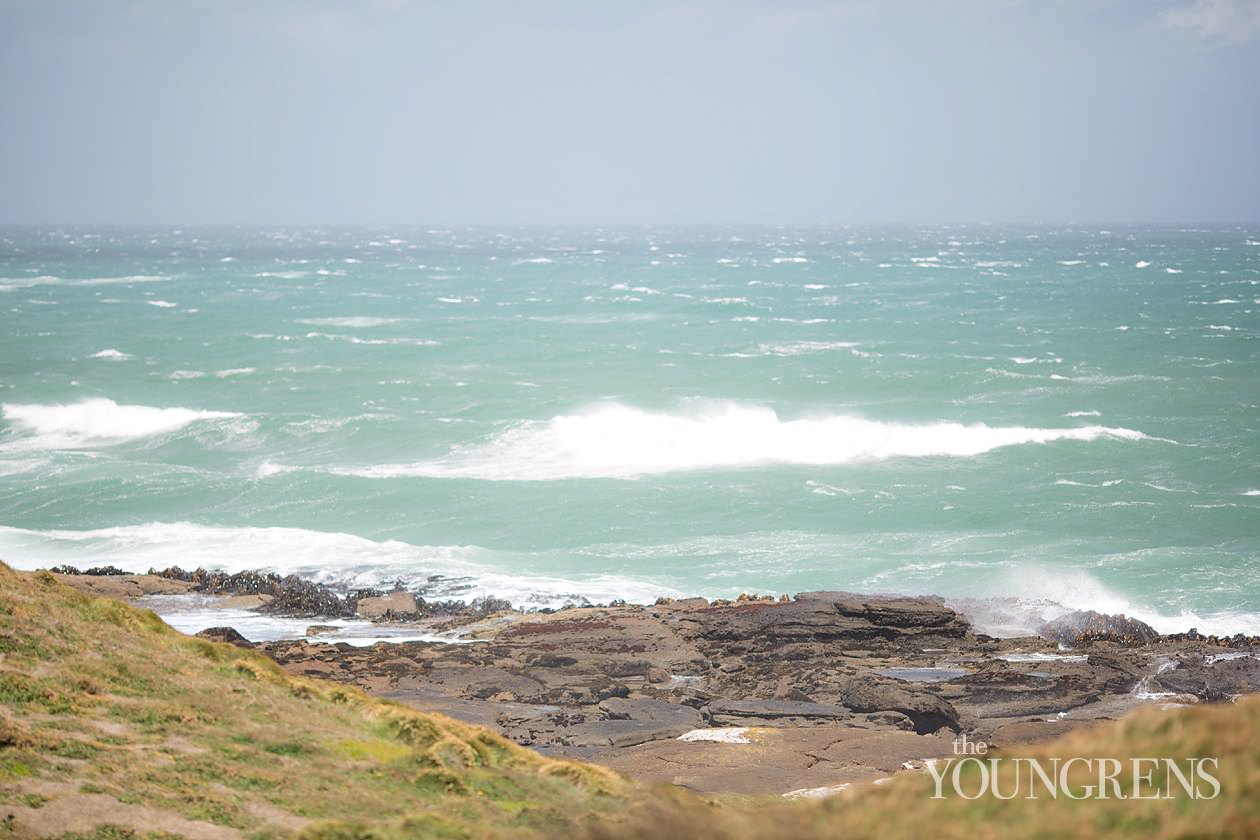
(97, 422)
(619, 441)
(112, 355)
(220, 374)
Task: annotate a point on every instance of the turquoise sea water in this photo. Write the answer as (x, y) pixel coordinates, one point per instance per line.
(1059, 414)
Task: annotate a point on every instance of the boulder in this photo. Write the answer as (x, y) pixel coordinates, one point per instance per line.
(1085, 627)
(226, 635)
(926, 711)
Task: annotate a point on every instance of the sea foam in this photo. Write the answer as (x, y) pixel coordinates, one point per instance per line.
(353, 321)
(9, 284)
(97, 422)
(348, 560)
(613, 440)
(1044, 593)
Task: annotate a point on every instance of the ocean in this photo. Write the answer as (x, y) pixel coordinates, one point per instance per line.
(1044, 417)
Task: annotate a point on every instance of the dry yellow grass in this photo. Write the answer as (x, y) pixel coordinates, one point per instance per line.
(107, 716)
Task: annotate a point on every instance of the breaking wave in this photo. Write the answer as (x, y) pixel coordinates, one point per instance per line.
(618, 441)
(97, 422)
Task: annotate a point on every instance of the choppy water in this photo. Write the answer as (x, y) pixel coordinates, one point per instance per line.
(1044, 413)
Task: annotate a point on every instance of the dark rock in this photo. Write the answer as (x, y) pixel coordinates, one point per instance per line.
(1211, 678)
(296, 597)
(105, 571)
(226, 635)
(1085, 627)
(95, 571)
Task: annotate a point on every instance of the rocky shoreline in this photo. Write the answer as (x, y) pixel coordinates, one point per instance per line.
(796, 696)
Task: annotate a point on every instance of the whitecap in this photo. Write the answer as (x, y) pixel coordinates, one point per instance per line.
(269, 468)
(112, 355)
(612, 440)
(351, 321)
(97, 422)
(796, 348)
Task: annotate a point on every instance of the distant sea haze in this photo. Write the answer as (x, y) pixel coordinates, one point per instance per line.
(1063, 416)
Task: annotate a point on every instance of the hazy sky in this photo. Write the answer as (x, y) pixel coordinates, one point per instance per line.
(599, 111)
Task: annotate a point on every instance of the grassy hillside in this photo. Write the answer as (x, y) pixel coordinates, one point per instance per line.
(107, 716)
(113, 726)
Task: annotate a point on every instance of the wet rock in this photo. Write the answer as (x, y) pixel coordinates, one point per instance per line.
(296, 597)
(289, 596)
(226, 635)
(1212, 678)
(1086, 627)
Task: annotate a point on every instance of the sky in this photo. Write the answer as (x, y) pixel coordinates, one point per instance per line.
(629, 111)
